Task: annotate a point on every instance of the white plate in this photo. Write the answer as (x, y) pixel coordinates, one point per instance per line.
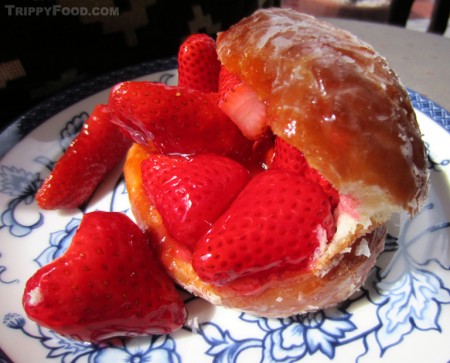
(401, 314)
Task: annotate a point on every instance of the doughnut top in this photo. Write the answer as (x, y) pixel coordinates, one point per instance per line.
(334, 98)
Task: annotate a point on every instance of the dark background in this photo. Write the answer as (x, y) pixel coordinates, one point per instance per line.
(41, 55)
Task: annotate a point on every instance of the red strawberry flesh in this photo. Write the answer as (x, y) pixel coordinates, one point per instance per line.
(106, 284)
(176, 120)
(94, 152)
(287, 157)
(191, 192)
(198, 65)
(278, 221)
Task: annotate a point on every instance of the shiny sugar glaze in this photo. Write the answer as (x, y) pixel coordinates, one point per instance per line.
(333, 97)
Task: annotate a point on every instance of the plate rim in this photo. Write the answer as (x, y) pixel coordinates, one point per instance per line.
(24, 124)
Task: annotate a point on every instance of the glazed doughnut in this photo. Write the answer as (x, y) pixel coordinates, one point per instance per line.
(333, 97)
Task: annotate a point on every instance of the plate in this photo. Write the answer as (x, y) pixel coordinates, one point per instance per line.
(402, 311)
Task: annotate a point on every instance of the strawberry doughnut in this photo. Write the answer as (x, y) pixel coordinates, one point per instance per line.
(335, 101)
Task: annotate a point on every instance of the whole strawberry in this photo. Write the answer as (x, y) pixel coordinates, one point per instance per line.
(191, 192)
(94, 152)
(106, 284)
(176, 120)
(277, 222)
(198, 65)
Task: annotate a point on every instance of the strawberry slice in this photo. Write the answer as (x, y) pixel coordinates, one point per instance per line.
(198, 65)
(191, 192)
(291, 159)
(242, 105)
(177, 120)
(277, 222)
(95, 151)
(106, 284)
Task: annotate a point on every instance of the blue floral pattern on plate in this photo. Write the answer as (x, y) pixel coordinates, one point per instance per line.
(404, 305)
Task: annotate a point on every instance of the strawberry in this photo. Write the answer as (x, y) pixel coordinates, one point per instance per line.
(176, 120)
(191, 192)
(242, 105)
(94, 152)
(106, 284)
(276, 222)
(198, 65)
(289, 158)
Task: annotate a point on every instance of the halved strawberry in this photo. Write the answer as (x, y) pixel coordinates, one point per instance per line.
(289, 158)
(198, 65)
(106, 284)
(242, 105)
(278, 221)
(177, 120)
(191, 192)
(94, 152)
